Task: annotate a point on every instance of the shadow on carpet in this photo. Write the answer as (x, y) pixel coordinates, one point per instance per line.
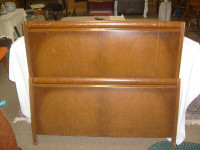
(167, 146)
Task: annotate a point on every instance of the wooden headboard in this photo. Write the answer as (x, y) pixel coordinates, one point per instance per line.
(104, 78)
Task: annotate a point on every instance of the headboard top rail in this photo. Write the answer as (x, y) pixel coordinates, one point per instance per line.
(105, 24)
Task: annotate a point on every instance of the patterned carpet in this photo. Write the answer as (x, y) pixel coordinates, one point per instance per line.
(193, 112)
(167, 146)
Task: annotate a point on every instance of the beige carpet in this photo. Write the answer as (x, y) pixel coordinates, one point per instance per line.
(23, 135)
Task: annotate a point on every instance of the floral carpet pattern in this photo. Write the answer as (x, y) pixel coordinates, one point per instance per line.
(193, 112)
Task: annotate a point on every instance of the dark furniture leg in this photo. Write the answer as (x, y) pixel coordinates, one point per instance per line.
(16, 30)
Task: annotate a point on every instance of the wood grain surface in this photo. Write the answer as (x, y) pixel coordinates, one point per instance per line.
(104, 78)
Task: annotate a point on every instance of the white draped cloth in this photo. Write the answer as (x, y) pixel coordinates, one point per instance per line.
(189, 74)
(18, 73)
(190, 82)
(9, 21)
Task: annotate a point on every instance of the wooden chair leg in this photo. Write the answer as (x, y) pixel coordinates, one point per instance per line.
(173, 15)
(4, 60)
(55, 15)
(74, 12)
(198, 27)
(188, 25)
(173, 145)
(183, 18)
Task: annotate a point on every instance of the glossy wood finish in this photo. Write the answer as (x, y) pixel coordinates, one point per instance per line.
(7, 137)
(3, 53)
(104, 78)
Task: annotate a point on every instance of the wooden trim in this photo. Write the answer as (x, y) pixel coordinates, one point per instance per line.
(180, 48)
(33, 123)
(104, 24)
(130, 81)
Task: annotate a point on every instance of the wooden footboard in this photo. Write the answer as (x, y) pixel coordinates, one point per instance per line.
(116, 79)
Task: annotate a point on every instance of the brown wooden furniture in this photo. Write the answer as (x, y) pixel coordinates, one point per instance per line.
(46, 2)
(100, 7)
(181, 5)
(3, 52)
(193, 12)
(51, 6)
(81, 5)
(7, 137)
(117, 79)
(74, 5)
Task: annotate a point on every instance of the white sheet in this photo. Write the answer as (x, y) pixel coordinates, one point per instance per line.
(18, 73)
(190, 82)
(189, 74)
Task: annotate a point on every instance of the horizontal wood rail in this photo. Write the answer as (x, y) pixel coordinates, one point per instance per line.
(104, 24)
(127, 81)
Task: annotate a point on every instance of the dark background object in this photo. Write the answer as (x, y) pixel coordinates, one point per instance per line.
(130, 6)
(5, 42)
